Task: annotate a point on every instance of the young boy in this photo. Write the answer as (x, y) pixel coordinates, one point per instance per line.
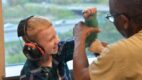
(46, 55)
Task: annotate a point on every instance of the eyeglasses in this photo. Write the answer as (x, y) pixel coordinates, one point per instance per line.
(111, 18)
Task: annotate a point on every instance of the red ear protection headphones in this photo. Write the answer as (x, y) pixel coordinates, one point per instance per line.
(31, 49)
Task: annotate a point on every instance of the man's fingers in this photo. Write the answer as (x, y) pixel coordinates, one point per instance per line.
(81, 23)
(96, 30)
(104, 44)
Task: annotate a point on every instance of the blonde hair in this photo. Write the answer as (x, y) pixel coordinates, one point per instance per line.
(35, 25)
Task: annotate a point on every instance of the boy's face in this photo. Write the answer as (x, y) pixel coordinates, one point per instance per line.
(49, 40)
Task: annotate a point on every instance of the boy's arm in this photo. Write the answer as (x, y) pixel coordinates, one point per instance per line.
(66, 50)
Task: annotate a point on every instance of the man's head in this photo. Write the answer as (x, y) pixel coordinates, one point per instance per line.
(40, 30)
(127, 16)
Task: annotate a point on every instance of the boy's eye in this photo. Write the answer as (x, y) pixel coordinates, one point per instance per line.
(52, 38)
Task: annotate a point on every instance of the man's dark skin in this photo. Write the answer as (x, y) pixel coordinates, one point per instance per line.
(127, 19)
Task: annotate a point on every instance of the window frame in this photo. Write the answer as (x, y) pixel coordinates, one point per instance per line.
(2, 58)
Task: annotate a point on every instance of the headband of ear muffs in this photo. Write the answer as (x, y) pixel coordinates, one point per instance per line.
(31, 49)
(22, 27)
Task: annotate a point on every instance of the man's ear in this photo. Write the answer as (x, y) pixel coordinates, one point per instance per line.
(125, 21)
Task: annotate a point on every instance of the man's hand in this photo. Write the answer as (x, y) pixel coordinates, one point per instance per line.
(97, 46)
(81, 31)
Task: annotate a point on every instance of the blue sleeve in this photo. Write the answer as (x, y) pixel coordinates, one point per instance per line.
(66, 50)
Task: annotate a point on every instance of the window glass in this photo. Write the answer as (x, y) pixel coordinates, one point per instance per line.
(63, 13)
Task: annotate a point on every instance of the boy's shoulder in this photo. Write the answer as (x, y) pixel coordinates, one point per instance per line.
(32, 68)
(30, 65)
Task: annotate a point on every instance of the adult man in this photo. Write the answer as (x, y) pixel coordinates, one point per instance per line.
(119, 61)
(46, 56)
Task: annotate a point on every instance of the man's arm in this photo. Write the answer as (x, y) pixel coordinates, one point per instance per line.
(80, 61)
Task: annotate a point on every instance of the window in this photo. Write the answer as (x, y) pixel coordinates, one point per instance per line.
(63, 13)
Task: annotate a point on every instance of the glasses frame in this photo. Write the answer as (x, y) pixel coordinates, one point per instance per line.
(111, 18)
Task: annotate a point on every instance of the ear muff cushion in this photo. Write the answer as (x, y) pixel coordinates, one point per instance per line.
(33, 52)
